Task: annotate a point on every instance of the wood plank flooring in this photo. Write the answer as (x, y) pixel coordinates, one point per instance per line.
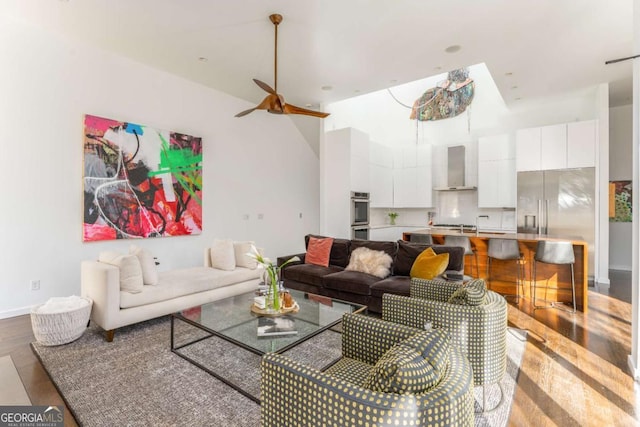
(574, 371)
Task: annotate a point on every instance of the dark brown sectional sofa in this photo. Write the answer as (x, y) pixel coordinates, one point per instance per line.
(362, 288)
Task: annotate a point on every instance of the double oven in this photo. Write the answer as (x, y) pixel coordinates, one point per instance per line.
(359, 215)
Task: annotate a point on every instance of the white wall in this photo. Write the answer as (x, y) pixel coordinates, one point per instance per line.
(256, 164)
(620, 169)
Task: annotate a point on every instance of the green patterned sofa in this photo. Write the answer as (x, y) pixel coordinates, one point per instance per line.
(479, 331)
(297, 395)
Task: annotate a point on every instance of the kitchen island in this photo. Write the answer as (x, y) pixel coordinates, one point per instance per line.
(503, 273)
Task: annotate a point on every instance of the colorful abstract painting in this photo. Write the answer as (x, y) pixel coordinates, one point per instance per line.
(140, 182)
(622, 201)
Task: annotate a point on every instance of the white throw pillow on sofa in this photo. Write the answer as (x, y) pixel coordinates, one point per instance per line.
(242, 260)
(130, 270)
(223, 255)
(147, 263)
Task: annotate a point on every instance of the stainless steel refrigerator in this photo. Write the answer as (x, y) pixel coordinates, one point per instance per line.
(559, 203)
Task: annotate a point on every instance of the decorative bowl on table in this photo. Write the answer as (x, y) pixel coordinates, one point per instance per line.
(288, 305)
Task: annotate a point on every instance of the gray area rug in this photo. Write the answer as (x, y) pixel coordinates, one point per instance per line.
(136, 380)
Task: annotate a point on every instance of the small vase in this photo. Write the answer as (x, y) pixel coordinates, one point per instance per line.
(273, 294)
(392, 220)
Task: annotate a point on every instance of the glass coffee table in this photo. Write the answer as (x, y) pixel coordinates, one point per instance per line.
(232, 320)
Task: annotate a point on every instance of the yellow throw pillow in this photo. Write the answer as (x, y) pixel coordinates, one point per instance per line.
(429, 264)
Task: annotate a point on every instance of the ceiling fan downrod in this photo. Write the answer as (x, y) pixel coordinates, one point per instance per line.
(275, 19)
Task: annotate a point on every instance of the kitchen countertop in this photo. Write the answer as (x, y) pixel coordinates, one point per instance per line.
(396, 226)
(498, 235)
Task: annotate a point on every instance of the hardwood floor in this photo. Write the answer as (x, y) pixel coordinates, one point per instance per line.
(574, 370)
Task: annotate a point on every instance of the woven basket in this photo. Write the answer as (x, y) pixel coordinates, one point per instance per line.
(60, 328)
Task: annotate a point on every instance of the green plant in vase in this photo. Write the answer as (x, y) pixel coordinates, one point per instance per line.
(273, 273)
(392, 217)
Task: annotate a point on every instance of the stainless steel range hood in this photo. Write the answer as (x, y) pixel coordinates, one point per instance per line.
(456, 170)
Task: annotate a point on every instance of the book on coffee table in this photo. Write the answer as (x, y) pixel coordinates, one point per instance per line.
(273, 326)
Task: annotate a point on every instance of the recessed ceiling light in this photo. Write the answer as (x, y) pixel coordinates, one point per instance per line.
(508, 73)
(514, 87)
(438, 68)
(203, 59)
(308, 105)
(518, 99)
(453, 48)
(357, 91)
(326, 87)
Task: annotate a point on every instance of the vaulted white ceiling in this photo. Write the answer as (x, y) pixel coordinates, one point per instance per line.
(533, 49)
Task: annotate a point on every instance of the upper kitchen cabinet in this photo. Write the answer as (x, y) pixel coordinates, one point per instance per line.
(553, 147)
(581, 144)
(496, 172)
(412, 177)
(562, 146)
(346, 155)
(528, 149)
(380, 175)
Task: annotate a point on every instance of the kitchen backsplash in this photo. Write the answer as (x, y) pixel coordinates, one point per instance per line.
(452, 207)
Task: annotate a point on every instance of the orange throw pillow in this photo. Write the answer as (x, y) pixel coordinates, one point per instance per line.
(318, 251)
(429, 264)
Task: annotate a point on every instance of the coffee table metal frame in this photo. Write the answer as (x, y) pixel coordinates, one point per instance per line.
(212, 333)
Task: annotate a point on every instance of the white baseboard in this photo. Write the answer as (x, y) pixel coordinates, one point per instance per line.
(634, 370)
(15, 312)
(603, 281)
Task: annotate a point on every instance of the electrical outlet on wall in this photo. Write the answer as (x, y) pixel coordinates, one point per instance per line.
(35, 285)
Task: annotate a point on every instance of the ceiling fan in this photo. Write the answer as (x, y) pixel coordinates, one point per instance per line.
(274, 102)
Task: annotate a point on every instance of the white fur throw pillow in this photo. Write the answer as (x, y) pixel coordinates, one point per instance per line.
(365, 260)
(223, 255)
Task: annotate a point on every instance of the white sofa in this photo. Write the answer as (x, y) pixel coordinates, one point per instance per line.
(177, 290)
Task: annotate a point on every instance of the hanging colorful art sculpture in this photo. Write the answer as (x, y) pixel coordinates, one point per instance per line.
(446, 100)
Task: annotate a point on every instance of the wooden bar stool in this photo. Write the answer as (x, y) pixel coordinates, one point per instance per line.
(506, 250)
(559, 253)
(464, 242)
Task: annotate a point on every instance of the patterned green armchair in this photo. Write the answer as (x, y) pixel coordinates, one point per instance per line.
(478, 327)
(346, 395)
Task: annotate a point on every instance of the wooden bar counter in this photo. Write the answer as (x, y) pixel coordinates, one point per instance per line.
(503, 273)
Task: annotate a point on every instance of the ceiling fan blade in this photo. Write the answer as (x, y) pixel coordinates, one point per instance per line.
(245, 112)
(265, 87)
(270, 103)
(292, 109)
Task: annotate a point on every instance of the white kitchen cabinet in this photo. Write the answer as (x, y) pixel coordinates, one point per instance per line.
(380, 155)
(581, 144)
(553, 147)
(495, 147)
(423, 155)
(528, 149)
(507, 183)
(381, 186)
(404, 187)
(497, 184)
(412, 187)
(563, 146)
(496, 172)
(344, 167)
